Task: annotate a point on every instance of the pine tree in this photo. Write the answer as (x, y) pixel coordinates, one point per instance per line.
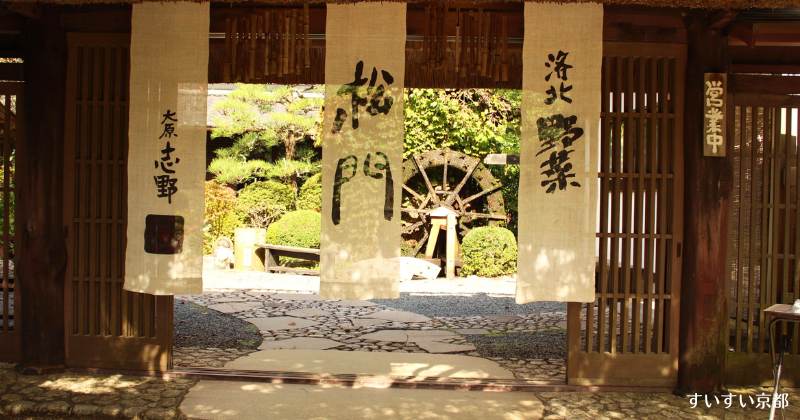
(258, 118)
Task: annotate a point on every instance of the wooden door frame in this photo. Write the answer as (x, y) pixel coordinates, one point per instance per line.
(152, 354)
(641, 369)
(11, 342)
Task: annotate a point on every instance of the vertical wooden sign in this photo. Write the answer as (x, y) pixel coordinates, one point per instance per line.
(714, 97)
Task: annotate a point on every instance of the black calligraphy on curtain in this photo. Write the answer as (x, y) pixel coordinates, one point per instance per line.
(376, 100)
(557, 133)
(166, 183)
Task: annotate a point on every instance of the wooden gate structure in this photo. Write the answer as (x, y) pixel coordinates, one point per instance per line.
(764, 243)
(101, 318)
(10, 126)
(629, 334)
(652, 173)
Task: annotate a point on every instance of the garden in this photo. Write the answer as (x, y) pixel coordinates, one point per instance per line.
(264, 177)
(265, 169)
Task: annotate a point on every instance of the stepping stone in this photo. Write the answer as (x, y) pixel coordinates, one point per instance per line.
(232, 299)
(355, 303)
(307, 312)
(472, 331)
(503, 318)
(305, 343)
(296, 296)
(232, 307)
(280, 323)
(402, 336)
(399, 316)
(365, 322)
(439, 347)
(421, 335)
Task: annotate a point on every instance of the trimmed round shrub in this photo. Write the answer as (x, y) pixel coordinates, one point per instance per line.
(310, 197)
(296, 228)
(489, 251)
(263, 202)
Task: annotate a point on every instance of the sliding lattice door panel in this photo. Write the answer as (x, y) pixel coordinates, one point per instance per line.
(764, 238)
(629, 335)
(106, 326)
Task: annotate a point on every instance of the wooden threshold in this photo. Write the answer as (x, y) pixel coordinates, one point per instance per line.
(382, 381)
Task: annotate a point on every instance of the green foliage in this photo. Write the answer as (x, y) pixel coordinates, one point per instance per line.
(258, 118)
(509, 177)
(297, 228)
(263, 202)
(220, 216)
(310, 197)
(236, 171)
(489, 251)
(474, 121)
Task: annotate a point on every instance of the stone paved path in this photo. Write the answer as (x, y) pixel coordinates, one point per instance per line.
(84, 395)
(304, 321)
(80, 395)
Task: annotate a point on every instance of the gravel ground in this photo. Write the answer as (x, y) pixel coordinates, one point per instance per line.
(479, 304)
(199, 326)
(537, 345)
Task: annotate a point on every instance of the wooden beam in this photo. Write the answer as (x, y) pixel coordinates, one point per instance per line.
(765, 55)
(41, 251)
(721, 19)
(778, 85)
(11, 71)
(707, 194)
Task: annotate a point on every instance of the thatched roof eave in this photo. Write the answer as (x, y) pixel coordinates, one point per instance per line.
(690, 4)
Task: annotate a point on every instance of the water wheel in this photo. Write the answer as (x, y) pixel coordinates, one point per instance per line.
(451, 179)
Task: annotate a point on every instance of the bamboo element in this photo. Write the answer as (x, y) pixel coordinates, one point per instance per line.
(458, 41)
(292, 41)
(484, 43)
(234, 48)
(252, 45)
(426, 35)
(496, 52)
(227, 67)
(442, 35)
(504, 50)
(267, 40)
(307, 35)
(285, 52)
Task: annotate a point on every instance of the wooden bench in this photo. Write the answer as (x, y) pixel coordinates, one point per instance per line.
(272, 254)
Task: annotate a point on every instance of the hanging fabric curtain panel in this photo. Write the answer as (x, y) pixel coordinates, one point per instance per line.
(166, 147)
(562, 57)
(362, 150)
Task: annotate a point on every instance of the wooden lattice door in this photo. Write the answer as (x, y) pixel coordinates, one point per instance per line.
(106, 325)
(10, 132)
(629, 335)
(764, 242)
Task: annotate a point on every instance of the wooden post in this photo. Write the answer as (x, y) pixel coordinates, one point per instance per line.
(452, 246)
(41, 251)
(707, 194)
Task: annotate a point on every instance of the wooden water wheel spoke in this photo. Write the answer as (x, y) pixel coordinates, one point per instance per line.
(463, 182)
(444, 172)
(422, 241)
(411, 227)
(413, 193)
(475, 198)
(431, 190)
(485, 216)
